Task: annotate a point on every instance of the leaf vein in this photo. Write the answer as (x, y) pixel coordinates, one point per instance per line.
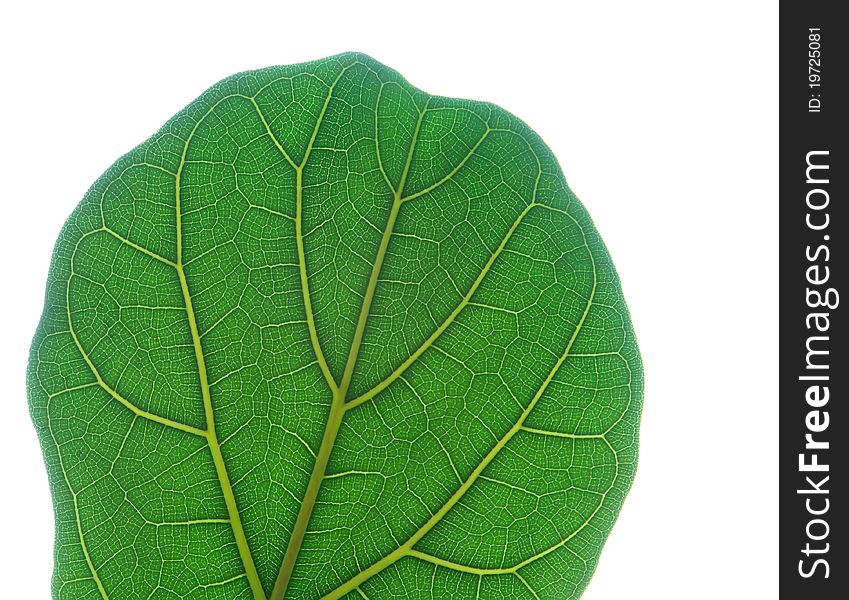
(409, 545)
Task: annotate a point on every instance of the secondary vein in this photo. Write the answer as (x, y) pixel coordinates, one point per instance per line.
(99, 377)
(209, 412)
(431, 339)
(94, 574)
(407, 547)
(305, 287)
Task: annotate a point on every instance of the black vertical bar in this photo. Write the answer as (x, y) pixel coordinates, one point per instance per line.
(813, 396)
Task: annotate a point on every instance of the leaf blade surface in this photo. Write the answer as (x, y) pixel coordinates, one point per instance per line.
(325, 336)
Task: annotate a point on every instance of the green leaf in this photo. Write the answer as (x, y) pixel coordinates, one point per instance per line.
(327, 336)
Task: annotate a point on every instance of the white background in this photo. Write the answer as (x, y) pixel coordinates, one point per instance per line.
(664, 117)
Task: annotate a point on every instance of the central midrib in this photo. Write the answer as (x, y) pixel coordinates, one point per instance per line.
(338, 405)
